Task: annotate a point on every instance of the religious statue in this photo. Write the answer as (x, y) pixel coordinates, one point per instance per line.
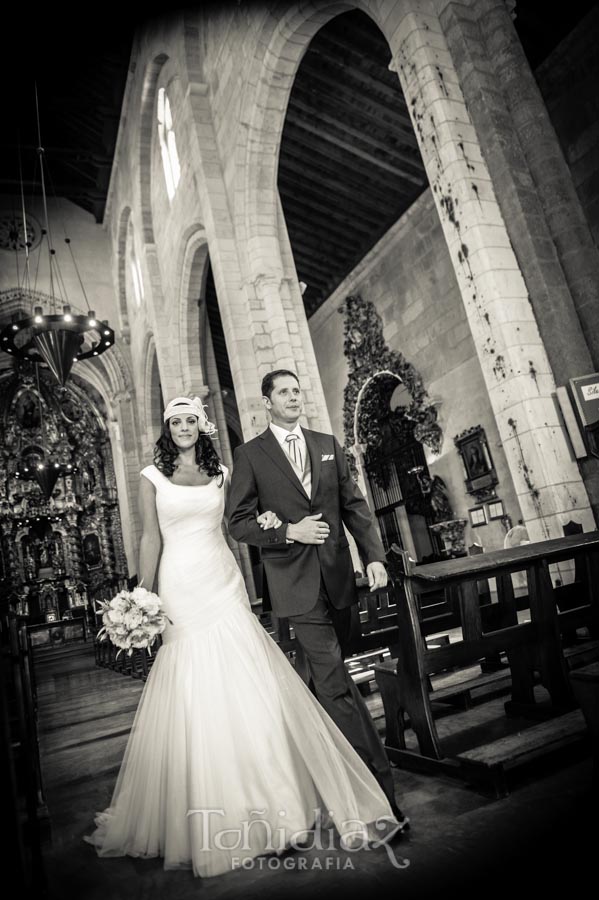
(436, 490)
(27, 412)
(44, 557)
(440, 504)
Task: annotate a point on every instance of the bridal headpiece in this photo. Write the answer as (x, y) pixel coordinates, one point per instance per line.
(182, 406)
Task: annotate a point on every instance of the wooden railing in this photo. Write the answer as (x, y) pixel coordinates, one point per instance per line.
(532, 644)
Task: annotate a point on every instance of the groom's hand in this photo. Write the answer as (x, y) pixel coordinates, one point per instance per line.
(308, 530)
(377, 575)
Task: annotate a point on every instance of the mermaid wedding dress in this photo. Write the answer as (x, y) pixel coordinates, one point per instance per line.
(230, 755)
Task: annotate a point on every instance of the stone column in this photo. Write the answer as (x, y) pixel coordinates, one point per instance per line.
(164, 328)
(511, 352)
(543, 215)
(240, 551)
(235, 305)
(577, 252)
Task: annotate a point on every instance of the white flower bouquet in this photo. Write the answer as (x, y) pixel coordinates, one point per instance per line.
(132, 620)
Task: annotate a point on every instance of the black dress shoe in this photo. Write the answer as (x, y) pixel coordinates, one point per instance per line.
(393, 832)
(404, 822)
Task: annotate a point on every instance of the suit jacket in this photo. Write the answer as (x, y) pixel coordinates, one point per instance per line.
(263, 479)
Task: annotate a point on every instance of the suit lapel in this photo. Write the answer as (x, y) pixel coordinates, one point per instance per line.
(274, 451)
(315, 453)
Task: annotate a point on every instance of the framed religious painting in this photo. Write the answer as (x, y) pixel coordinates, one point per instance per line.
(481, 476)
(92, 552)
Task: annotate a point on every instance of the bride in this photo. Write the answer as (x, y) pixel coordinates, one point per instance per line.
(230, 755)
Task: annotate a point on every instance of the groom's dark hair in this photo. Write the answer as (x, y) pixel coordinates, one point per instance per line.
(268, 382)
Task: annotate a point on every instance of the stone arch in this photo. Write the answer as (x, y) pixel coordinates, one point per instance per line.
(123, 226)
(110, 374)
(192, 333)
(152, 399)
(286, 36)
(146, 129)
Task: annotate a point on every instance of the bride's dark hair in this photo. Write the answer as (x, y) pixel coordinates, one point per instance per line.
(166, 453)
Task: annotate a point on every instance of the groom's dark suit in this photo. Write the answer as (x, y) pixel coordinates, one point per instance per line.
(312, 585)
(263, 479)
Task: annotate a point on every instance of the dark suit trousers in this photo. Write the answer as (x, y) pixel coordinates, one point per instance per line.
(319, 632)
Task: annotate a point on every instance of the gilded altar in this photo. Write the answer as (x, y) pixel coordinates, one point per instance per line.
(60, 530)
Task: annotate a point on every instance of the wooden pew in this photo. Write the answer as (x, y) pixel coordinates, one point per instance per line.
(137, 665)
(23, 795)
(585, 684)
(531, 647)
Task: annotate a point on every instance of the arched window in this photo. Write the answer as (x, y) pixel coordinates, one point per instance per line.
(168, 144)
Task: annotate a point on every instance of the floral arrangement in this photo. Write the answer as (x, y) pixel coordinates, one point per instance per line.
(132, 620)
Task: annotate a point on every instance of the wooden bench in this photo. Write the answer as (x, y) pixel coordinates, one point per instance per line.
(137, 665)
(532, 648)
(490, 762)
(585, 684)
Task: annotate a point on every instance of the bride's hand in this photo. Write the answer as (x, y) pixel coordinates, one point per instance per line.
(268, 520)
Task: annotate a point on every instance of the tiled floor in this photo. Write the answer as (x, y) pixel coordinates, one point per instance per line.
(462, 843)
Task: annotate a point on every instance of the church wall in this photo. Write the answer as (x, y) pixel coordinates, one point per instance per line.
(409, 278)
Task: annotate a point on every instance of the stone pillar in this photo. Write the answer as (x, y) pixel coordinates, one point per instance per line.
(279, 355)
(251, 283)
(545, 221)
(316, 410)
(164, 329)
(568, 226)
(235, 305)
(512, 355)
(240, 551)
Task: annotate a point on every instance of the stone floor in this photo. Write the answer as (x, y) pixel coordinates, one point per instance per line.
(462, 843)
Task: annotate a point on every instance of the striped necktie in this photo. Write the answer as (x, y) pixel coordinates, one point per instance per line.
(294, 450)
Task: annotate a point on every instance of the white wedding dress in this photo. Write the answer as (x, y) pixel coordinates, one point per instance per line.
(226, 732)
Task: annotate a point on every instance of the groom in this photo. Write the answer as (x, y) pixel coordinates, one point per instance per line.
(304, 478)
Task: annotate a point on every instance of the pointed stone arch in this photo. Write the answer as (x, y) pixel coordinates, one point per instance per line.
(152, 398)
(192, 329)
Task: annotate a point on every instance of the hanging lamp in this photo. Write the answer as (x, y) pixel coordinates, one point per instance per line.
(57, 337)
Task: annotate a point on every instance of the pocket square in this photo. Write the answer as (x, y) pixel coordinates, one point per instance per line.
(327, 456)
